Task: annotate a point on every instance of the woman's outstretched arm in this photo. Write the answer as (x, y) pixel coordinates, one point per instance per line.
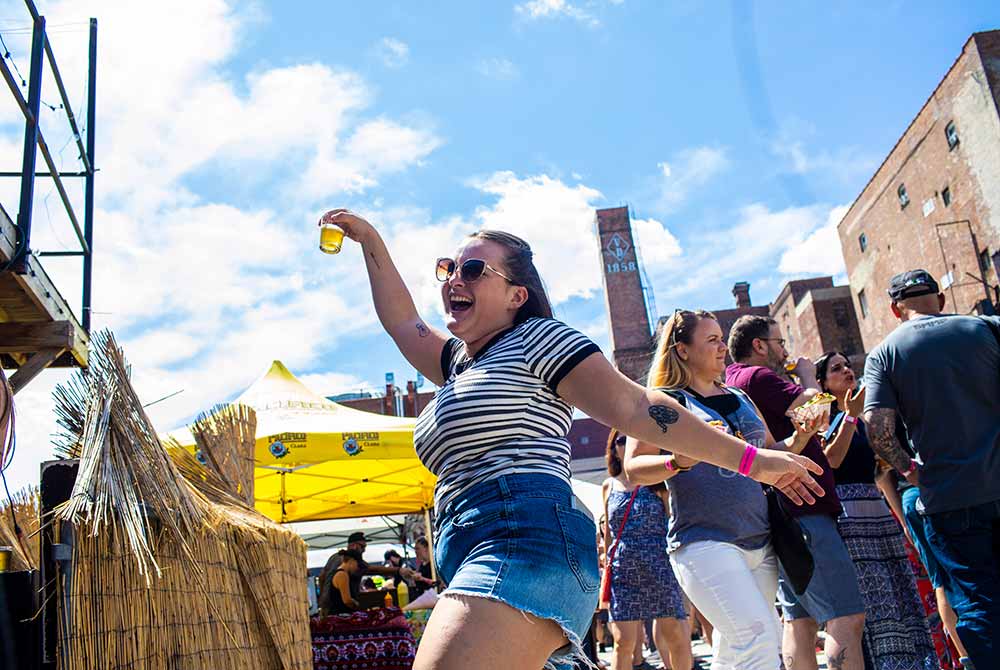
(596, 388)
(418, 342)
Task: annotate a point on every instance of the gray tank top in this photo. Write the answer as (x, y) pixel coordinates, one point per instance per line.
(713, 503)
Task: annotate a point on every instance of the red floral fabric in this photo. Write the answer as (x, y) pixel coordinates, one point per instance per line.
(368, 640)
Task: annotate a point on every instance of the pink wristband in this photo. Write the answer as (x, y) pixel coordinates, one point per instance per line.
(909, 471)
(747, 461)
(851, 419)
(669, 464)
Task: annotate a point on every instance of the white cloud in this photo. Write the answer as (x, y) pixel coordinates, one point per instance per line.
(658, 246)
(393, 53)
(687, 171)
(498, 68)
(846, 164)
(792, 240)
(203, 295)
(545, 9)
(557, 220)
(820, 252)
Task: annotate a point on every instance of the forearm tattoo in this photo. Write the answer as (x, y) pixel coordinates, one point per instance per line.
(881, 425)
(422, 330)
(663, 416)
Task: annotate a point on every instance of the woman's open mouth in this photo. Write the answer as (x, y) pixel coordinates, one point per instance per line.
(459, 303)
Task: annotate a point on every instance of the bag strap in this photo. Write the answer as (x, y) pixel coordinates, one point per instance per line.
(618, 536)
(676, 394)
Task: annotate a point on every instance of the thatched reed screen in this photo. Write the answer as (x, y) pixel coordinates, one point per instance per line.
(171, 570)
(19, 528)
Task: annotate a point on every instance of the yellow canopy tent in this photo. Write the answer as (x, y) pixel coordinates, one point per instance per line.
(315, 459)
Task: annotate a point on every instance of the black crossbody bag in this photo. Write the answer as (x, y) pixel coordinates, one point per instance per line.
(787, 536)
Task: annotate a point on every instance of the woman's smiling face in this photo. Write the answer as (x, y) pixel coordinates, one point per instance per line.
(475, 309)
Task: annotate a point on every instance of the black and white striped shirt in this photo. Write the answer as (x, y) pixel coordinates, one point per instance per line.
(498, 412)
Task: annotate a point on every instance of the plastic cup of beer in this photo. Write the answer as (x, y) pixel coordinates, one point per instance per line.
(790, 365)
(5, 555)
(331, 238)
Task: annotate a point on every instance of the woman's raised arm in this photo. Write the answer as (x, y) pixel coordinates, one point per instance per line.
(418, 342)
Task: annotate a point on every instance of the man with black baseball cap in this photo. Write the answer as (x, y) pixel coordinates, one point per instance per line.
(941, 374)
(912, 284)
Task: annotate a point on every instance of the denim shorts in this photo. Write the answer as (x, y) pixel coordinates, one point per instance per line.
(833, 590)
(520, 539)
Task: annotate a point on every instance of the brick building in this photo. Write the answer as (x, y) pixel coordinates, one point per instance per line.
(624, 296)
(935, 200)
(393, 403)
(815, 317)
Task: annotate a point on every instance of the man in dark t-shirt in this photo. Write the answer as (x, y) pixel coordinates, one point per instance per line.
(833, 596)
(941, 374)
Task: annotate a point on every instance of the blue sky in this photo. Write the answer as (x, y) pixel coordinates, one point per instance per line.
(737, 132)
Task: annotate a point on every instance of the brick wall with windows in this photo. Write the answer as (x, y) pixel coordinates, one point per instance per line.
(934, 202)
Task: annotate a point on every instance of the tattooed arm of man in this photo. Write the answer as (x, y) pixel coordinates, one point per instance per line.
(881, 422)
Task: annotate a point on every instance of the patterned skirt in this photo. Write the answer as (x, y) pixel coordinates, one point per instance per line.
(896, 635)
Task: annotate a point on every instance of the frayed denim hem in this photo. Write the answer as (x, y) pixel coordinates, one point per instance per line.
(566, 657)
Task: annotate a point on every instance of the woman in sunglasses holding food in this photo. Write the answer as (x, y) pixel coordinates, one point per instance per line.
(495, 435)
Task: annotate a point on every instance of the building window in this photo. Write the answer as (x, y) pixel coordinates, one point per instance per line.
(863, 242)
(863, 303)
(951, 133)
(840, 315)
(946, 196)
(904, 199)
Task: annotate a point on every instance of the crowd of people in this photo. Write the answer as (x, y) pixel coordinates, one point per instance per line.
(689, 531)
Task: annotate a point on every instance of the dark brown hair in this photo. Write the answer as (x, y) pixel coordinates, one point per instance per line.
(748, 328)
(520, 267)
(611, 456)
(823, 365)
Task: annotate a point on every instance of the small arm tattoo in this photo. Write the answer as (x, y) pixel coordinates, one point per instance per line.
(422, 330)
(664, 416)
(374, 260)
(881, 423)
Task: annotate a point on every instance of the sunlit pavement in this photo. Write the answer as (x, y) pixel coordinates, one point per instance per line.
(702, 657)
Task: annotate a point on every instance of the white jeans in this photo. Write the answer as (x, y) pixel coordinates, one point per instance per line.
(735, 590)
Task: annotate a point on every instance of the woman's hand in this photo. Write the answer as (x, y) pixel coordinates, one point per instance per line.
(805, 430)
(853, 405)
(789, 473)
(353, 225)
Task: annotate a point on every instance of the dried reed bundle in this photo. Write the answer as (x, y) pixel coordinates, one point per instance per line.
(23, 513)
(226, 437)
(125, 476)
(229, 589)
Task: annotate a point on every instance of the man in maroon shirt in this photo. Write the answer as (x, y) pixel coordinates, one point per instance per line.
(833, 597)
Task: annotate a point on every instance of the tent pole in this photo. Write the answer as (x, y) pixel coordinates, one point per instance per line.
(430, 542)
